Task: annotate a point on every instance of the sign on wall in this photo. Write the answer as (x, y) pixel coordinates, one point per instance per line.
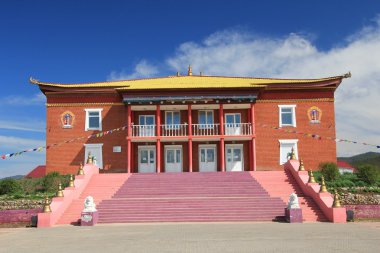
(67, 119)
(314, 114)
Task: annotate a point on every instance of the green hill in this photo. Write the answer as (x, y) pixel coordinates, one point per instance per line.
(365, 158)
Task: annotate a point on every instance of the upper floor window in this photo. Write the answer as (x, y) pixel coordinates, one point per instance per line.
(172, 119)
(287, 115)
(93, 119)
(206, 119)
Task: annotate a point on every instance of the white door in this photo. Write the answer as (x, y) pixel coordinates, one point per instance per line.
(96, 152)
(173, 158)
(234, 157)
(146, 125)
(232, 125)
(207, 158)
(147, 159)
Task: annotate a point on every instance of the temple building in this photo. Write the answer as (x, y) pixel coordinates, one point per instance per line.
(190, 123)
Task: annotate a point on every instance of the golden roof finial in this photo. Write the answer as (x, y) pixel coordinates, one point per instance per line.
(347, 75)
(189, 71)
(71, 182)
(301, 167)
(292, 154)
(311, 177)
(47, 203)
(81, 171)
(59, 192)
(178, 73)
(336, 199)
(323, 185)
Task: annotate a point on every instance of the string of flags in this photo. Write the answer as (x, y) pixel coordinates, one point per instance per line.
(39, 149)
(318, 137)
(98, 135)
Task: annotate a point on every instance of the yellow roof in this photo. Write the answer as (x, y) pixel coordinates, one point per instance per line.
(183, 82)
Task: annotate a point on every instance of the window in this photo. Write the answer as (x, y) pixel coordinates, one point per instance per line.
(206, 119)
(287, 115)
(172, 119)
(93, 119)
(286, 149)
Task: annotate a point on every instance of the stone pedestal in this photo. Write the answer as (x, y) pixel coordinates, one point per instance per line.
(293, 215)
(89, 218)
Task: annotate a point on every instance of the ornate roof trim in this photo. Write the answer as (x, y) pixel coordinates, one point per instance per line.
(183, 82)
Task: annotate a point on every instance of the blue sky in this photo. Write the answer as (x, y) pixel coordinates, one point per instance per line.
(82, 41)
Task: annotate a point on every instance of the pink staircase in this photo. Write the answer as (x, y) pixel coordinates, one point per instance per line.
(281, 184)
(171, 197)
(101, 186)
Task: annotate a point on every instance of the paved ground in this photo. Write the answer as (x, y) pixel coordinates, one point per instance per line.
(196, 237)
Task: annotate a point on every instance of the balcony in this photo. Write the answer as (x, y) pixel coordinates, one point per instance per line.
(239, 129)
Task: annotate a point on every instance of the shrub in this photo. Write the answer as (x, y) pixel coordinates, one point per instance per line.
(329, 170)
(50, 181)
(360, 184)
(8, 186)
(368, 173)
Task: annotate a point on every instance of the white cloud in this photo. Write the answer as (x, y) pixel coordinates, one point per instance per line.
(15, 144)
(20, 164)
(36, 99)
(23, 125)
(143, 69)
(294, 56)
(237, 53)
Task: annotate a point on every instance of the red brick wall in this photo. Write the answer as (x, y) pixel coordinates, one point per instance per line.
(311, 150)
(66, 158)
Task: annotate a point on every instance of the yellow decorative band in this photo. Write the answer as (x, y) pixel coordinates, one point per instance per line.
(79, 104)
(295, 100)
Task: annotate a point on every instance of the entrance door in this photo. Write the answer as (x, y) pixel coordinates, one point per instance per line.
(232, 126)
(96, 152)
(234, 157)
(207, 158)
(147, 159)
(146, 125)
(173, 158)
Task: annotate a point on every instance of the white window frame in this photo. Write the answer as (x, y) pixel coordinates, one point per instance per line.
(290, 141)
(293, 108)
(87, 125)
(173, 125)
(206, 125)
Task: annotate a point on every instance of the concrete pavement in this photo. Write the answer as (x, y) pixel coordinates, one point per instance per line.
(196, 237)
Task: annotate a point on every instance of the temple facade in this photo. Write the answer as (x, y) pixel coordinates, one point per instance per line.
(190, 123)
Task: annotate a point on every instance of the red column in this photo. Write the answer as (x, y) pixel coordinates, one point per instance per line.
(158, 144)
(222, 150)
(190, 142)
(129, 135)
(189, 119)
(222, 160)
(250, 155)
(221, 119)
(253, 154)
(190, 155)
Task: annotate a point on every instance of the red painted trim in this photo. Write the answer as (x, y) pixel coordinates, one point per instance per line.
(158, 156)
(190, 143)
(129, 155)
(129, 133)
(189, 119)
(222, 160)
(253, 154)
(250, 150)
(221, 120)
(158, 116)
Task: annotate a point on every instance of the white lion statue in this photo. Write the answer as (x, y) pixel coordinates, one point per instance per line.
(89, 204)
(293, 201)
